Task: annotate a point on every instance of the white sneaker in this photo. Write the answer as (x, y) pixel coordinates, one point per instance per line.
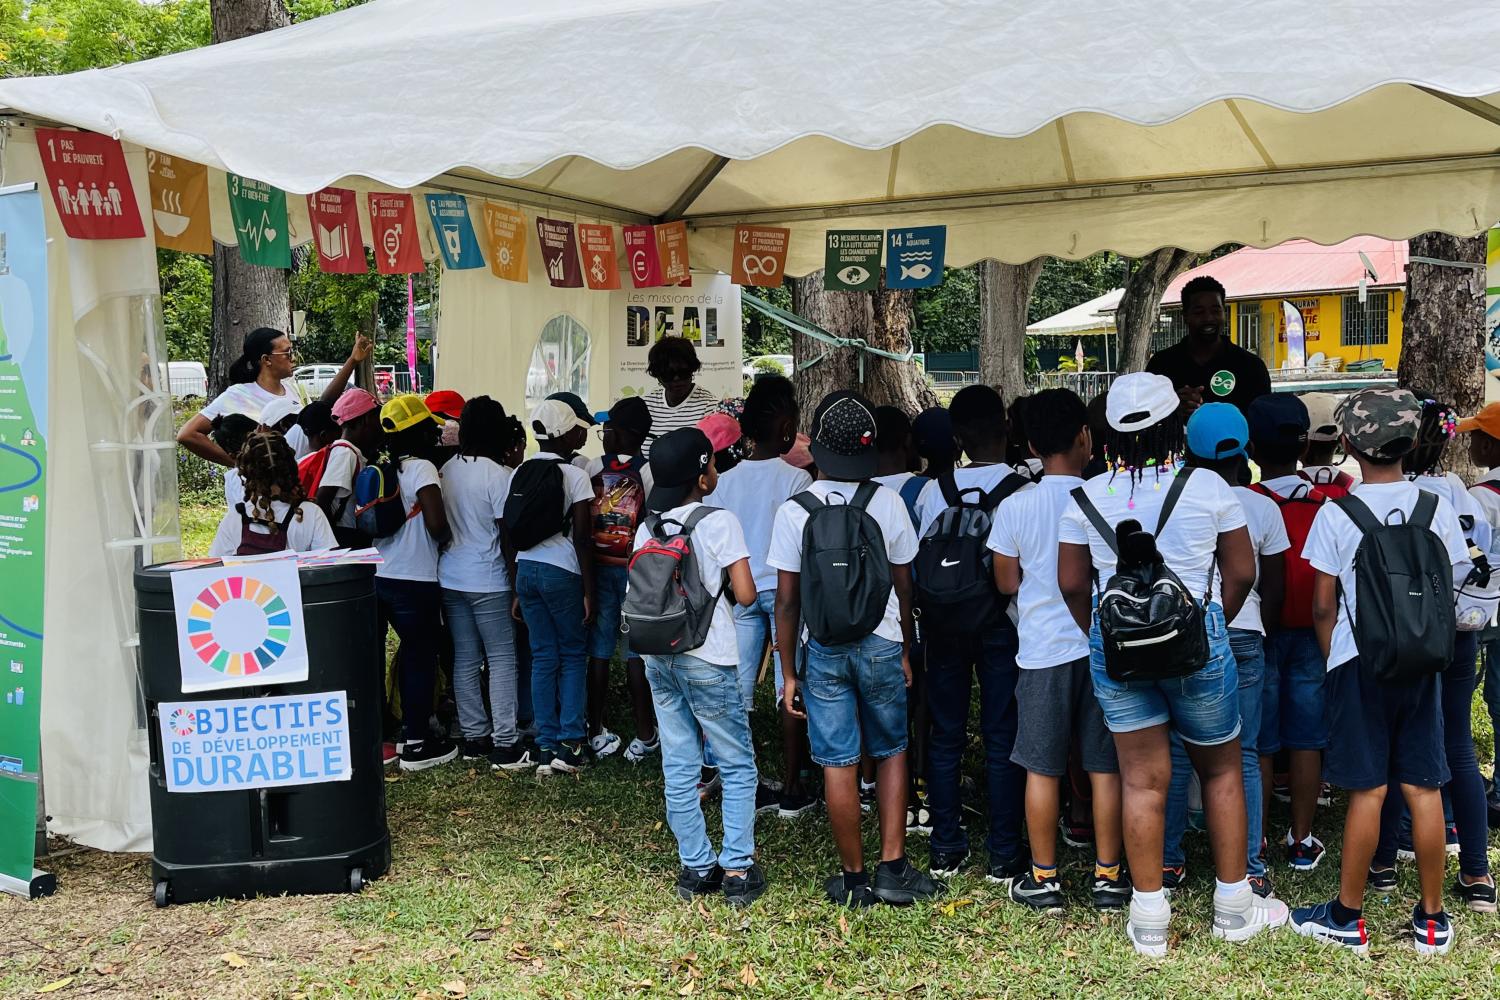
(639, 749)
(1244, 915)
(605, 744)
(1148, 930)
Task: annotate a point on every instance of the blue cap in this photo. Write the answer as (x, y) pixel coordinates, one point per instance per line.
(1217, 430)
(1279, 418)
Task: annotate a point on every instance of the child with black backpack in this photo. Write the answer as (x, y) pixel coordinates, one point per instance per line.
(549, 524)
(690, 567)
(1387, 557)
(1293, 717)
(400, 502)
(966, 631)
(1148, 537)
(1055, 703)
(275, 515)
(621, 482)
(843, 550)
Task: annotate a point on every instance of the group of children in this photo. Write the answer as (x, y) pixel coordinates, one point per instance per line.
(880, 566)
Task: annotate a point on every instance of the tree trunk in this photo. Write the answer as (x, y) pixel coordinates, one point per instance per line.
(1004, 297)
(1442, 340)
(1140, 307)
(882, 319)
(245, 295)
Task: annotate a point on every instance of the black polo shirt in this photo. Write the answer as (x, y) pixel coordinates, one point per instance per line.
(1234, 375)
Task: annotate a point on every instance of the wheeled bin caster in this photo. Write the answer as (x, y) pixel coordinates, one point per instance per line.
(163, 893)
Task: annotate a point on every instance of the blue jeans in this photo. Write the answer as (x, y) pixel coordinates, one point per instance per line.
(609, 595)
(411, 607)
(1490, 664)
(1202, 707)
(483, 633)
(1250, 664)
(1293, 714)
(950, 676)
(855, 695)
(552, 604)
(753, 625)
(692, 696)
(525, 713)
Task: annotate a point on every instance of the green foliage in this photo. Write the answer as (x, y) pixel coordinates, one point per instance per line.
(763, 335)
(187, 303)
(199, 481)
(947, 315)
(768, 366)
(340, 305)
(1064, 284)
(64, 36)
(1070, 364)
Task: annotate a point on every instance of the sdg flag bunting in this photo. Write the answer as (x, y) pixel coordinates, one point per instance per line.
(179, 203)
(600, 268)
(334, 213)
(914, 257)
(505, 229)
(559, 253)
(759, 255)
(455, 233)
(851, 261)
(393, 234)
(90, 185)
(642, 257)
(259, 212)
(672, 252)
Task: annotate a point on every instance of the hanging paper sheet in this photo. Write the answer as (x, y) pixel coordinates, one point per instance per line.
(334, 213)
(642, 257)
(672, 252)
(455, 233)
(559, 253)
(90, 185)
(259, 213)
(601, 269)
(851, 259)
(179, 203)
(393, 234)
(914, 257)
(760, 255)
(505, 229)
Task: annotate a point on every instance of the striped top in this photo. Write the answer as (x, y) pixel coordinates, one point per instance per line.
(698, 404)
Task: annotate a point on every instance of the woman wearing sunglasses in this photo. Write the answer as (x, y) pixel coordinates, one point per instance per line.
(679, 402)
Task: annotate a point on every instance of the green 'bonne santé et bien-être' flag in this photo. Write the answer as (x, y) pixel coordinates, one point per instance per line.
(259, 212)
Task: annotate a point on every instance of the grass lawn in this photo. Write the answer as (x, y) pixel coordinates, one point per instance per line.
(506, 886)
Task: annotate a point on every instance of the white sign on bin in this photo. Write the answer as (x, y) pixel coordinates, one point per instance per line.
(243, 744)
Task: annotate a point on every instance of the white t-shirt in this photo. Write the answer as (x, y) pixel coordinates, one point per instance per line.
(234, 488)
(753, 491)
(698, 403)
(344, 463)
(1325, 474)
(1451, 488)
(250, 398)
(930, 502)
(1286, 486)
(1025, 528)
(1206, 509)
(558, 550)
(1333, 540)
(1268, 537)
(1487, 499)
(310, 533)
(411, 553)
(718, 544)
(894, 481)
(474, 492)
(887, 510)
(297, 438)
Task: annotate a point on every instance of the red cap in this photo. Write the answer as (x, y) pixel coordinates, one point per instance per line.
(445, 403)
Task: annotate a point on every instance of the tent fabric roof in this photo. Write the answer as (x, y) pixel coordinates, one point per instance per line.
(1028, 128)
(1097, 314)
(1298, 268)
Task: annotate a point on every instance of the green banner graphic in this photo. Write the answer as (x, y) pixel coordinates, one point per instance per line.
(259, 212)
(23, 508)
(851, 261)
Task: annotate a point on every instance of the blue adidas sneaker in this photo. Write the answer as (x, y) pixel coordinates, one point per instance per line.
(1433, 935)
(1317, 922)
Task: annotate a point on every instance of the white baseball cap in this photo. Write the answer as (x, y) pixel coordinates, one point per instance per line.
(1322, 416)
(1140, 400)
(552, 418)
(279, 409)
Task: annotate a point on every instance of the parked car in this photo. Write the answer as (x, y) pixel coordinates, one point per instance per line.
(784, 360)
(314, 378)
(185, 379)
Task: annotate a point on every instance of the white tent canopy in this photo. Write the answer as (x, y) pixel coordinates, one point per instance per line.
(1097, 315)
(1026, 127)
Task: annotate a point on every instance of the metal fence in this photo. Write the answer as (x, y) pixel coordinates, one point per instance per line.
(1086, 384)
(953, 380)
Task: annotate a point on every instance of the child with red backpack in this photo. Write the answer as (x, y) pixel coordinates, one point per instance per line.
(1292, 712)
(1318, 467)
(275, 515)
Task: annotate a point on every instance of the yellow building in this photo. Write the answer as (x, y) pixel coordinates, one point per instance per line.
(1323, 283)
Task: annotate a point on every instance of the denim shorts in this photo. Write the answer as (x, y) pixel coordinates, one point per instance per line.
(1293, 712)
(609, 595)
(855, 695)
(1381, 732)
(1203, 708)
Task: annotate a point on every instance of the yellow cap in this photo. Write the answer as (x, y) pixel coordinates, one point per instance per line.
(401, 412)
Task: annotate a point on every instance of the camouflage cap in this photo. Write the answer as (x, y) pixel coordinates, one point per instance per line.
(1381, 422)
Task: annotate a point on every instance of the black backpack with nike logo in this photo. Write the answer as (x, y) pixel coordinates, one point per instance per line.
(955, 578)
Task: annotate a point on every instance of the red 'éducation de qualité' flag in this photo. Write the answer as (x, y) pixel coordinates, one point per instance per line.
(334, 214)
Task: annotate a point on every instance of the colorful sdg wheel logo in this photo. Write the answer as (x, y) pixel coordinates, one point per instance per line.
(239, 626)
(181, 722)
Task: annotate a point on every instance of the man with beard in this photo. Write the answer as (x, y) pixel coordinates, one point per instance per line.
(1204, 366)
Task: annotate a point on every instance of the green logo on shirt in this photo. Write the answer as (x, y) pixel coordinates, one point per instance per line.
(1222, 383)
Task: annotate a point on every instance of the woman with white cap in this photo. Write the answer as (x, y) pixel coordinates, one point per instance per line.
(1202, 539)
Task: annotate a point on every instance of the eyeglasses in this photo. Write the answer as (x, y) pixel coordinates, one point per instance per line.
(289, 353)
(673, 375)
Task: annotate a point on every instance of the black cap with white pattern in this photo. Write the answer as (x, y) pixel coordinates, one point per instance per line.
(843, 436)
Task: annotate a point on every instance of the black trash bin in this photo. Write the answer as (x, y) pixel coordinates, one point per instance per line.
(325, 837)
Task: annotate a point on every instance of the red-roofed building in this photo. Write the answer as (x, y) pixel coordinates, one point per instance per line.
(1322, 282)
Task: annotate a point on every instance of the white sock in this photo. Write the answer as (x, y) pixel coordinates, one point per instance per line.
(1227, 890)
(1151, 902)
